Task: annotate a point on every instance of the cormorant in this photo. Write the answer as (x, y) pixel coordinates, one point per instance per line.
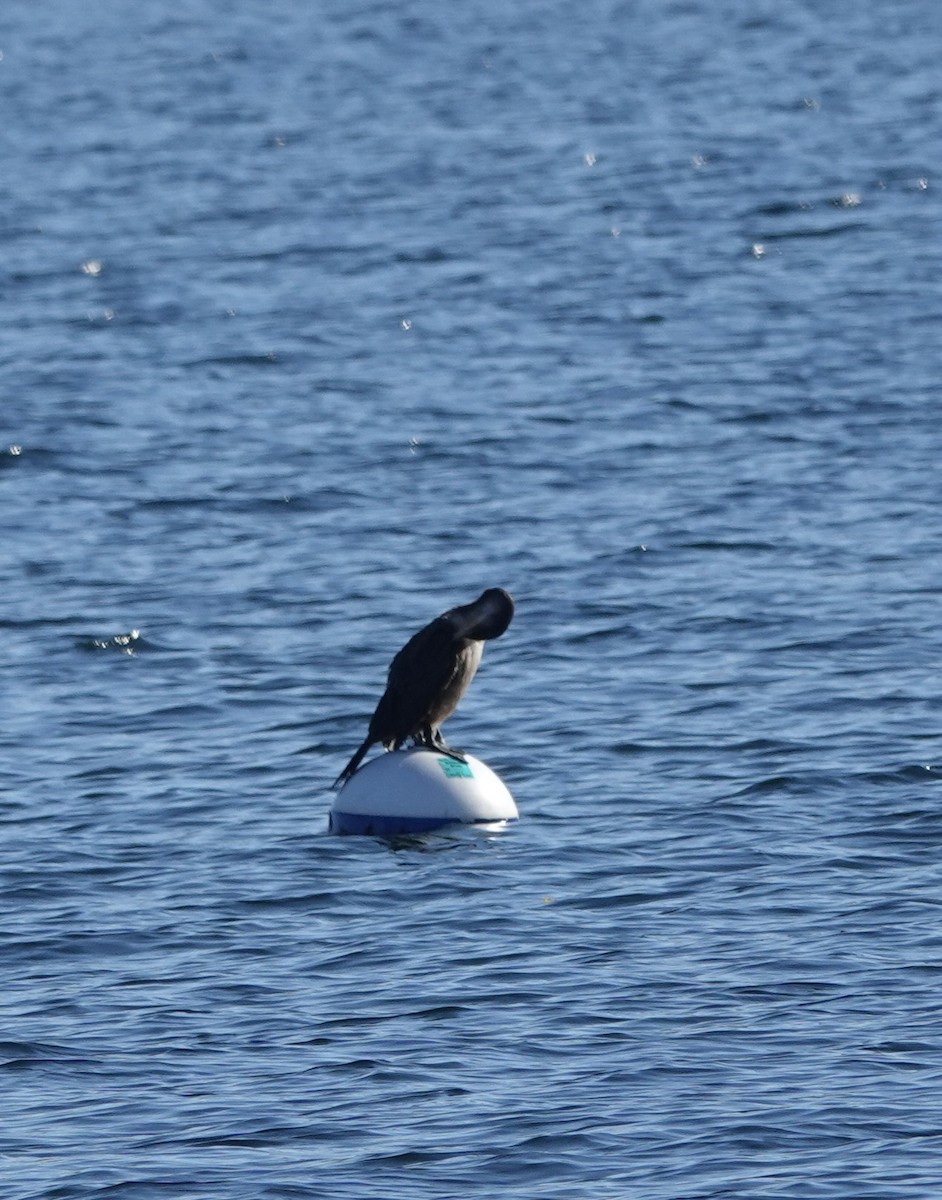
(431, 673)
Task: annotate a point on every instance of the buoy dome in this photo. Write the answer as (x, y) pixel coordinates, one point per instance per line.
(415, 790)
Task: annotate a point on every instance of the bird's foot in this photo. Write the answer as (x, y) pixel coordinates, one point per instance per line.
(460, 755)
(438, 744)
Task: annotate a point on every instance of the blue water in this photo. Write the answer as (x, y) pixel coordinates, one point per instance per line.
(321, 317)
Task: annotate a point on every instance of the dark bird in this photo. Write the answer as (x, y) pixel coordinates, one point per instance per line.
(431, 673)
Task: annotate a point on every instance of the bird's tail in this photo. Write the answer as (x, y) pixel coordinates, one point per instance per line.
(353, 763)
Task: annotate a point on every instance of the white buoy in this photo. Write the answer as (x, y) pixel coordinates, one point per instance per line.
(415, 790)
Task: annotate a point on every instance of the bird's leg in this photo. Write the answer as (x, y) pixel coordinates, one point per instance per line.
(424, 736)
(430, 736)
(443, 748)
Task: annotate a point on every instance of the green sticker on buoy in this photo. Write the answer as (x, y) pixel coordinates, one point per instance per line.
(454, 768)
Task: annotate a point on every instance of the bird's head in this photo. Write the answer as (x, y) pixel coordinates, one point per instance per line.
(485, 618)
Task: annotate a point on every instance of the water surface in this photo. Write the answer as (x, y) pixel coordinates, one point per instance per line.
(321, 318)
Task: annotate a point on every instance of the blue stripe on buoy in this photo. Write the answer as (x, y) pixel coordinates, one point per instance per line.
(371, 826)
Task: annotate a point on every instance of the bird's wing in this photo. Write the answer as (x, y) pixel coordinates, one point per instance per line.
(420, 671)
